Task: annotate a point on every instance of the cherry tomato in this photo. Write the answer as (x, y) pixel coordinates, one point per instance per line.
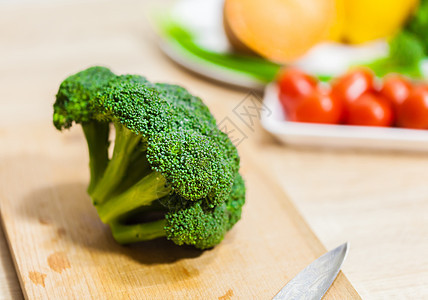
(353, 84)
(293, 84)
(413, 111)
(370, 109)
(396, 89)
(318, 107)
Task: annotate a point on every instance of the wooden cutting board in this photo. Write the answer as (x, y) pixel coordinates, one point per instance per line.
(62, 250)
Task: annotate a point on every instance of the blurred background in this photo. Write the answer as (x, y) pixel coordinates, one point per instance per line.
(340, 88)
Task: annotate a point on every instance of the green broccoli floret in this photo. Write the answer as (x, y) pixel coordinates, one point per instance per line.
(74, 103)
(184, 222)
(169, 158)
(196, 223)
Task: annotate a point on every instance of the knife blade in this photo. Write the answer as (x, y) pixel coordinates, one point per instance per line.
(313, 281)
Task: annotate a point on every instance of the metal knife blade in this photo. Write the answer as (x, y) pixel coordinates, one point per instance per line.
(313, 281)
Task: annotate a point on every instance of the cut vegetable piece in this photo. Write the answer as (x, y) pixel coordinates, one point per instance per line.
(293, 85)
(336, 29)
(280, 30)
(370, 109)
(413, 112)
(366, 20)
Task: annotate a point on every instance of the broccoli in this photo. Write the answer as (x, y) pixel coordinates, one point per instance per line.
(172, 172)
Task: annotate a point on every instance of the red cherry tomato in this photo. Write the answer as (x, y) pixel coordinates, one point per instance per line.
(353, 84)
(396, 89)
(370, 109)
(413, 111)
(293, 84)
(318, 107)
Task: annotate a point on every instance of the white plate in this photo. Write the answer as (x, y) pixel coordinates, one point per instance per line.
(205, 21)
(339, 136)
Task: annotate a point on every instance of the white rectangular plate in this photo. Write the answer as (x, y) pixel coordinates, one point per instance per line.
(275, 121)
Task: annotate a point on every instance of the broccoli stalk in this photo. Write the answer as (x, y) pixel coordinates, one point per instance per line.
(125, 143)
(169, 158)
(127, 234)
(183, 222)
(150, 188)
(96, 134)
(147, 194)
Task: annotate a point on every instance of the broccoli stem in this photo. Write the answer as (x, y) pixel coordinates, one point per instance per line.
(97, 134)
(126, 234)
(137, 169)
(150, 188)
(125, 143)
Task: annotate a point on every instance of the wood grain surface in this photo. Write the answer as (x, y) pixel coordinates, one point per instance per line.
(60, 247)
(63, 251)
(9, 286)
(377, 201)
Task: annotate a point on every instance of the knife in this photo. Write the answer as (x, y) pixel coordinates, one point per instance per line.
(312, 282)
